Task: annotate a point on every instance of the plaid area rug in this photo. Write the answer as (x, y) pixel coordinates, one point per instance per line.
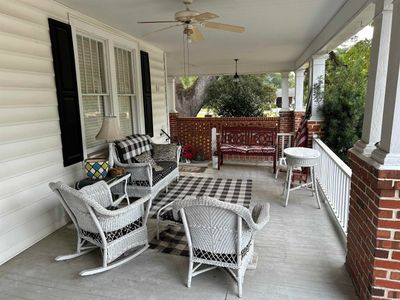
(230, 190)
(172, 238)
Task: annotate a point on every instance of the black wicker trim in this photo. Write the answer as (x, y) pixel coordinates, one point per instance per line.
(221, 257)
(116, 234)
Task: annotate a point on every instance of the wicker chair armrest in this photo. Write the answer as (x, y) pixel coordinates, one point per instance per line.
(139, 171)
(260, 215)
(123, 210)
(100, 194)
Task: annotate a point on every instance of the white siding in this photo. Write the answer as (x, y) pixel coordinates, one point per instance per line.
(158, 91)
(30, 143)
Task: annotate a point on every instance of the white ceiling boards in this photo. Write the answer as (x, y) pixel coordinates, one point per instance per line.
(277, 32)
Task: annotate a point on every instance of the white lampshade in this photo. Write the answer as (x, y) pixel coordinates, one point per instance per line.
(109, 130)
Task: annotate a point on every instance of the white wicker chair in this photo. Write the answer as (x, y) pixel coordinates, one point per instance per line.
(220, 234)
(101, 225)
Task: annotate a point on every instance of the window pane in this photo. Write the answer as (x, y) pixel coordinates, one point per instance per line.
(125, 114)
(93, 113)
(123, 65)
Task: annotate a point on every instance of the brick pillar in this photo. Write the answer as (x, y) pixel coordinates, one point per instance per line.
(297, 119)
(313, 128)
(286, 121)
(173, 127)
(373, 241)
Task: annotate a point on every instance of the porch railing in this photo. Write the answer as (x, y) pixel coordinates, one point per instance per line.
(334, 179)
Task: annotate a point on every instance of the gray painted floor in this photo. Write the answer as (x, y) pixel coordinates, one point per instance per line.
(300, 256)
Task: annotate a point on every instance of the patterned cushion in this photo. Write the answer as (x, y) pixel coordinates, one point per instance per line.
(260, 149)
(145, 157)
(234, 148)
(167, 167)
(222, 257)
(116, 234)
(164, 152)
(132, 146)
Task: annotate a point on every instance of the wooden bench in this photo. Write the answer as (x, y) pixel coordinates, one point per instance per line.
(251, 141)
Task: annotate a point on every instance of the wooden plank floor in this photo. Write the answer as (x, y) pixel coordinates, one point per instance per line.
(300, 256)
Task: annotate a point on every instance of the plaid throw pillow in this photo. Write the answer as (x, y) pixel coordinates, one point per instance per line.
(132, 146)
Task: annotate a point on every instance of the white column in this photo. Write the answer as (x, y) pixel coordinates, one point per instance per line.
(299, 90)
(373, 115)
(171, 94)
(285, 90)
(318, 74)
(388, 150)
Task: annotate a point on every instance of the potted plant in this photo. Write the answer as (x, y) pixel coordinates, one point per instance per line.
(188, 153)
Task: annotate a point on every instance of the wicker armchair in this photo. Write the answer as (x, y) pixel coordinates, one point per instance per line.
(144, 181)
(220, 234)
(99, 224)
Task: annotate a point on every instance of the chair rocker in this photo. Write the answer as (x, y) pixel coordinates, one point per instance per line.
(99, 224)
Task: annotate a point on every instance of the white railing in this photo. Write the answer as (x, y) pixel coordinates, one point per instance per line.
(334, 179)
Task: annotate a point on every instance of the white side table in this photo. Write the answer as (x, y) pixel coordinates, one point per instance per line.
(301, 157)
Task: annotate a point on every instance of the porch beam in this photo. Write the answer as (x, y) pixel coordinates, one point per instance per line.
(343, 18)
(387, 152)
(285, 90)
(373, 115)
(299, 100)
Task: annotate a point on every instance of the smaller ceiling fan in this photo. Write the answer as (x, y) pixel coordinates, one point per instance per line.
(191, 20)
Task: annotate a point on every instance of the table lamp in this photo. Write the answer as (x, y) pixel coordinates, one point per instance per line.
(110, 132)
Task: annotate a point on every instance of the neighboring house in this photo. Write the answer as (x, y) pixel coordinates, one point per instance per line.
(30, 141)
(292, 93)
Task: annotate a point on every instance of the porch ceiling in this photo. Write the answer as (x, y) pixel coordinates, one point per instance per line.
(278, 32)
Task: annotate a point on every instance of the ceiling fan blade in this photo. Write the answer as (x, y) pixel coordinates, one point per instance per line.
(159, 30)
(197, 36)
(155, 22)
(226, 27)
(205, 16)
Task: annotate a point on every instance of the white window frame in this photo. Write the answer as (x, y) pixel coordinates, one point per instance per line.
(111, 38)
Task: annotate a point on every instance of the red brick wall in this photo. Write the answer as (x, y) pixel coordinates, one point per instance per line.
(197, 131)
(286, 121)
(313, 128)
(373, 241)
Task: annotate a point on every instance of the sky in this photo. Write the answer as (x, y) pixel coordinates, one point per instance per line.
(365, 33)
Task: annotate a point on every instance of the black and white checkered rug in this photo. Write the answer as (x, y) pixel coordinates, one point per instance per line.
(172, 239)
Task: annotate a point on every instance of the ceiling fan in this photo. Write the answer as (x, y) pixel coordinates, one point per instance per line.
(191, 20)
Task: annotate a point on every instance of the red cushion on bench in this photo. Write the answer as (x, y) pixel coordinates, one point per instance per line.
(233, 148)
(260, 149)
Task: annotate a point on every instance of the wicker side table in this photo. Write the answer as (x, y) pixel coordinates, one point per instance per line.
(301, 157)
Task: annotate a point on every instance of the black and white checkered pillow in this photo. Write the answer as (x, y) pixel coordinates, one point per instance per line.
(132, 146)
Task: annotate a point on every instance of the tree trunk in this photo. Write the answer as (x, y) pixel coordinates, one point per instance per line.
(190, 101)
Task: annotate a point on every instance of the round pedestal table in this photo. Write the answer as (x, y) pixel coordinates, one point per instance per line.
(301, 157)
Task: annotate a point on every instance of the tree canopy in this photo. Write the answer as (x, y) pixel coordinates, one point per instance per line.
(247, 98)
(344, 96)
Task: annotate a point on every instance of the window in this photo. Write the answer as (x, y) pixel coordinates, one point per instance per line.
(125, 89)
(93, 86)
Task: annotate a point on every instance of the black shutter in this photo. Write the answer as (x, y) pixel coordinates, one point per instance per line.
(67, 91)
(146, 87)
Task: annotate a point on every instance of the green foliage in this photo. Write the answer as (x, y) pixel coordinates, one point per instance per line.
(188, 81)
(247, 98)
(344, 97)
(275, 79)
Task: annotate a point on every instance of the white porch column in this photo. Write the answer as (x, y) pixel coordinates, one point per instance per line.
(373, 115)
(171, 94)
(388, 150)
(299, 106)
(317, 74)
(285, 90)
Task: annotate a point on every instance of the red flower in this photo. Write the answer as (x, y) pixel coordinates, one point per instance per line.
(188, 152)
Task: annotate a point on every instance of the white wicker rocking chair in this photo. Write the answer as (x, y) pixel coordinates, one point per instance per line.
(101, 225)
(220, 234)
